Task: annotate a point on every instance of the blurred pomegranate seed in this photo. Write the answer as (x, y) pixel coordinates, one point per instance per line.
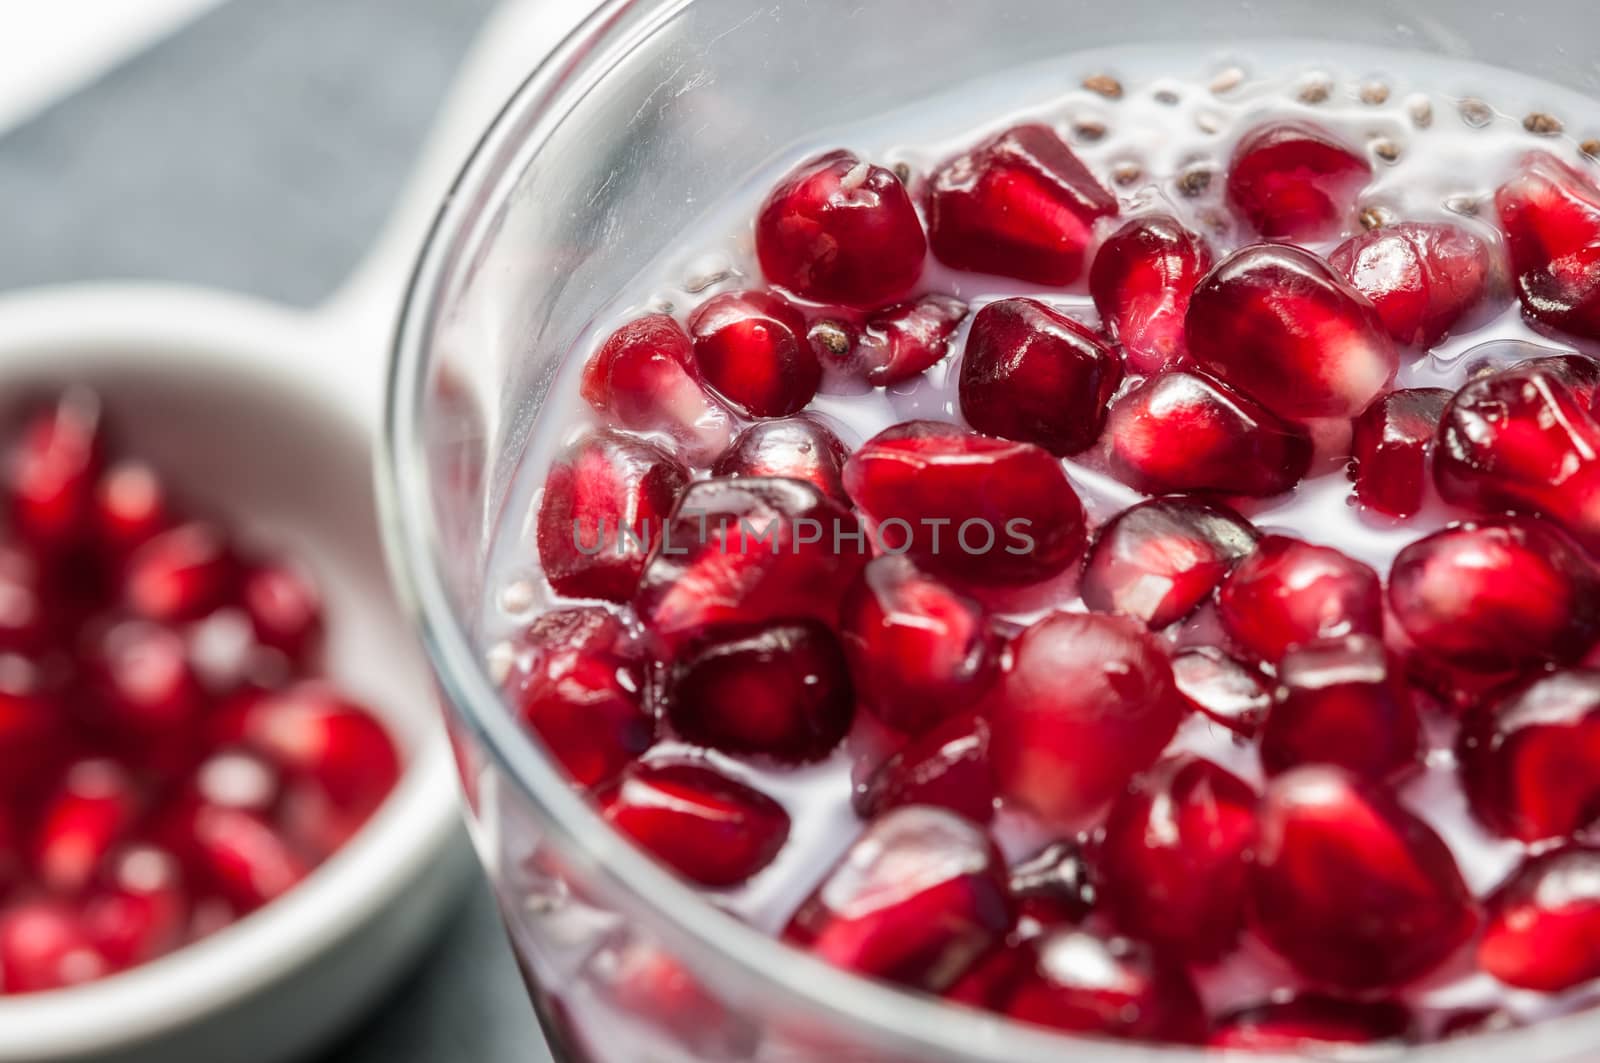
(43, 946)
(578, 683)
(1341, 701)
(1422, 277)
(35, 741)
(840, 230)
(708, 828)
(916, 900)
(182, 574)
(1311, 1022)
(752, 350)
(648, 983)
(1295, 181)
(947, 767)
(605, 502)
(284, 605)
(1391, 446)
(1469, 1022)
(52, 468)
(918, 650)
(131, 507)
(1158, 560)
(1226, 690)
(25, 602)
(1349, 887)
(141, 682)
(644, 377)
(967, 506)
(1087, 702)
(902, 342)
(95, 805)
(1020, 205)
(1497, 595)
(1174, 857)
(1054, 886)
(1542, 924)
(1034, 374)
(796, 448)
(1289, 592)
(140, 910)
(241, 855)
(1182, 431)
(1142, 278)
(781, 689)
(1276, 323)
(1550, 214)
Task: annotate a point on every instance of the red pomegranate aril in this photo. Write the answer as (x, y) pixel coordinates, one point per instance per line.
(1341, 701)
(1054, 886)
(1277, 324)
(918, 650)
(1393, 439)
(243, 856)
(43, 946)
(35, 739)
(648, 983)
(182, 574)
(605, 501)
(284, 605)
(1422, 277)
(916, 900)
(1020, 205)
(141, 680)
(780, 689)
(1530, 760)
(1311, 1022)
(1224, 689)
(25, 602)
(1142, 278)
(747, 550)
(141, 909)
(840, 230)
(645, 378)
(51, 470)
(948, 767)
(1087, 702)
(1543, 926)
(902, 342)
(752, 349)
(1497, 595)
(1006, 510)
(1289, 592)
(131, 507)
(1550, 214)
(1349, 887)
(1158, 560)
(1293, 181)
(1174, 857)
(1033, 374)
(95, 805)
(795, 448)
(1469, 1022)
(705, 826)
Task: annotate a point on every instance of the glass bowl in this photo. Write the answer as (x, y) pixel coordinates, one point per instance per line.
(650, 114)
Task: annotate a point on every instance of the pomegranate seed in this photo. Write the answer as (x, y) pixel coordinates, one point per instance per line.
(797, 448)
(1392, 442)
(918, 897)
(646, 982)
(182, 574)
(285, 608)
(752, 350)
(1020, 204)
(1530, 761)
(1497, 595)
(905, 341)
(1276, 323)
(242, 855)
(839, 230)
(1551, 217)
(918, 650)
(1469, 1022)
(1034, 374)
(1174, 856)
(1341, 701)
(141, 681)
(1523, 439)
(645, 378)
(781, 689)
(1543, 923)
(140, 911)
(948, 767)
(1073, 980)
(1088, 702)
(1349, 887)
(1158, 560)
(94, 806)
(1226, 690)
(1308, 1022)
(52, 470)
(1289, 592)
(35, 742)
(1182, 431)
(1141, 281)
(578, 684)
(25, 620)
(131, 507)
(1006, 510)
(605, 501)
(1294, 181)
(706, 827)
(1421, 277)
(43, 946)
(1054, 887)
(746, 551)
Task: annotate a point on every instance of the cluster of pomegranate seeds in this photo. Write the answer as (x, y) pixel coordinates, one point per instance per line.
(1022, 571)
(154, 787)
